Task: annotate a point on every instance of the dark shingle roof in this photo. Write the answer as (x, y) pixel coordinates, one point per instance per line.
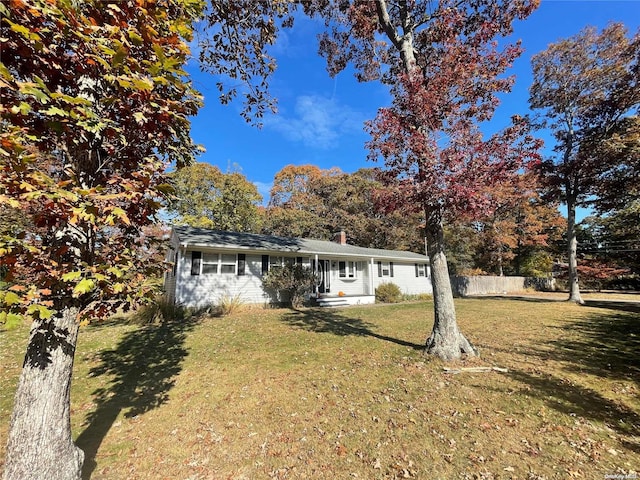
(201, 237)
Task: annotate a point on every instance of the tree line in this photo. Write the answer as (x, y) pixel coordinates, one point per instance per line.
(520, 235)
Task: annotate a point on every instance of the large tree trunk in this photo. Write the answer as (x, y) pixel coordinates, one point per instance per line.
(572, 244)
(445, 341)
(40, 442)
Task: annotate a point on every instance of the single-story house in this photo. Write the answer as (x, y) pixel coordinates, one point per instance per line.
(207, 265)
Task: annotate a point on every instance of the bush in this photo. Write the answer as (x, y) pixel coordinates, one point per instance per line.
(160, 310)
(471, 272)
(538, 264)
(228, 305)
(417, 297)
(291, 283)
(388, 293)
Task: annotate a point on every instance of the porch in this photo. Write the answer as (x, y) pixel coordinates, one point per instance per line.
(329, 300)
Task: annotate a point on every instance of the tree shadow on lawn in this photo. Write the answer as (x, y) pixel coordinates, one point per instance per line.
(518, 298)
(330, 321)
(604, 345)
(142, 370)
(622, 305)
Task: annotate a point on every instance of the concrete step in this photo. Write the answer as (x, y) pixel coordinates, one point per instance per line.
(332, 301)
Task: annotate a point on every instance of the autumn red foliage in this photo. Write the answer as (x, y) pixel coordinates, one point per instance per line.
(445, 69)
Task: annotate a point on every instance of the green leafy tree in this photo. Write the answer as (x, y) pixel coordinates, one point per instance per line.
(205, 197)
(613, 238)
(586, 88)
(463, 244)
(356, 202)
(618, 166)
(293, 222)
(95, 106)
(537, 264)
(309, 202)
(293, 210)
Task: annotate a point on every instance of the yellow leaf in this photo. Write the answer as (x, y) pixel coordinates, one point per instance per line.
(122, 215)
(144, 84)
(115, 271)
(43, 312)
(70, 276)
(10, 298)
(84, 286)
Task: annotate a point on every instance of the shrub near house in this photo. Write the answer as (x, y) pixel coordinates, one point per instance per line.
(388, 293)
(290, 283)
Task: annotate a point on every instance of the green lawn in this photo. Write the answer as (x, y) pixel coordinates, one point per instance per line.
(347, 393)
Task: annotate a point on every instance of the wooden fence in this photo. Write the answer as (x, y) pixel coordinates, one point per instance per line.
(487, 285)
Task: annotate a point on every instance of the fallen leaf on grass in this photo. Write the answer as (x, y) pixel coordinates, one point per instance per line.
(341, 451)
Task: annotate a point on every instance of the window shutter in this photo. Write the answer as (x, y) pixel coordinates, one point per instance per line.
(391, 268)
(196, 260)
(299, 260)
(417, 272)
(265, 264)
(379, 269)
(242, 261)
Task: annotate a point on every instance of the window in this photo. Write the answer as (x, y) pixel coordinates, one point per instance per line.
(210, 263)
(173, 258)
(385, 269)
(228, 264)
(270, 261)
(242, 263)
(348, 269)
(421, 270)
(277, 261)
(214, 263)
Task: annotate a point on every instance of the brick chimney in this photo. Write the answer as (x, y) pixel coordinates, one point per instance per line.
(340, 237)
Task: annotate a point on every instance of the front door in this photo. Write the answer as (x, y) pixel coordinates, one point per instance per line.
(323, 270)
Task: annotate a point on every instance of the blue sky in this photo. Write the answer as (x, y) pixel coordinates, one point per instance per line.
(320, 119)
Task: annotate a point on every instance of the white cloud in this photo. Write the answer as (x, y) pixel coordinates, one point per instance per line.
(317, 122)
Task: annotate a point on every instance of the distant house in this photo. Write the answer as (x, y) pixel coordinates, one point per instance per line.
(208, 265)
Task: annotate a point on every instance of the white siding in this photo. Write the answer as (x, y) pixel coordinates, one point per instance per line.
(208, 289)
(404, 276)
(348, 286)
